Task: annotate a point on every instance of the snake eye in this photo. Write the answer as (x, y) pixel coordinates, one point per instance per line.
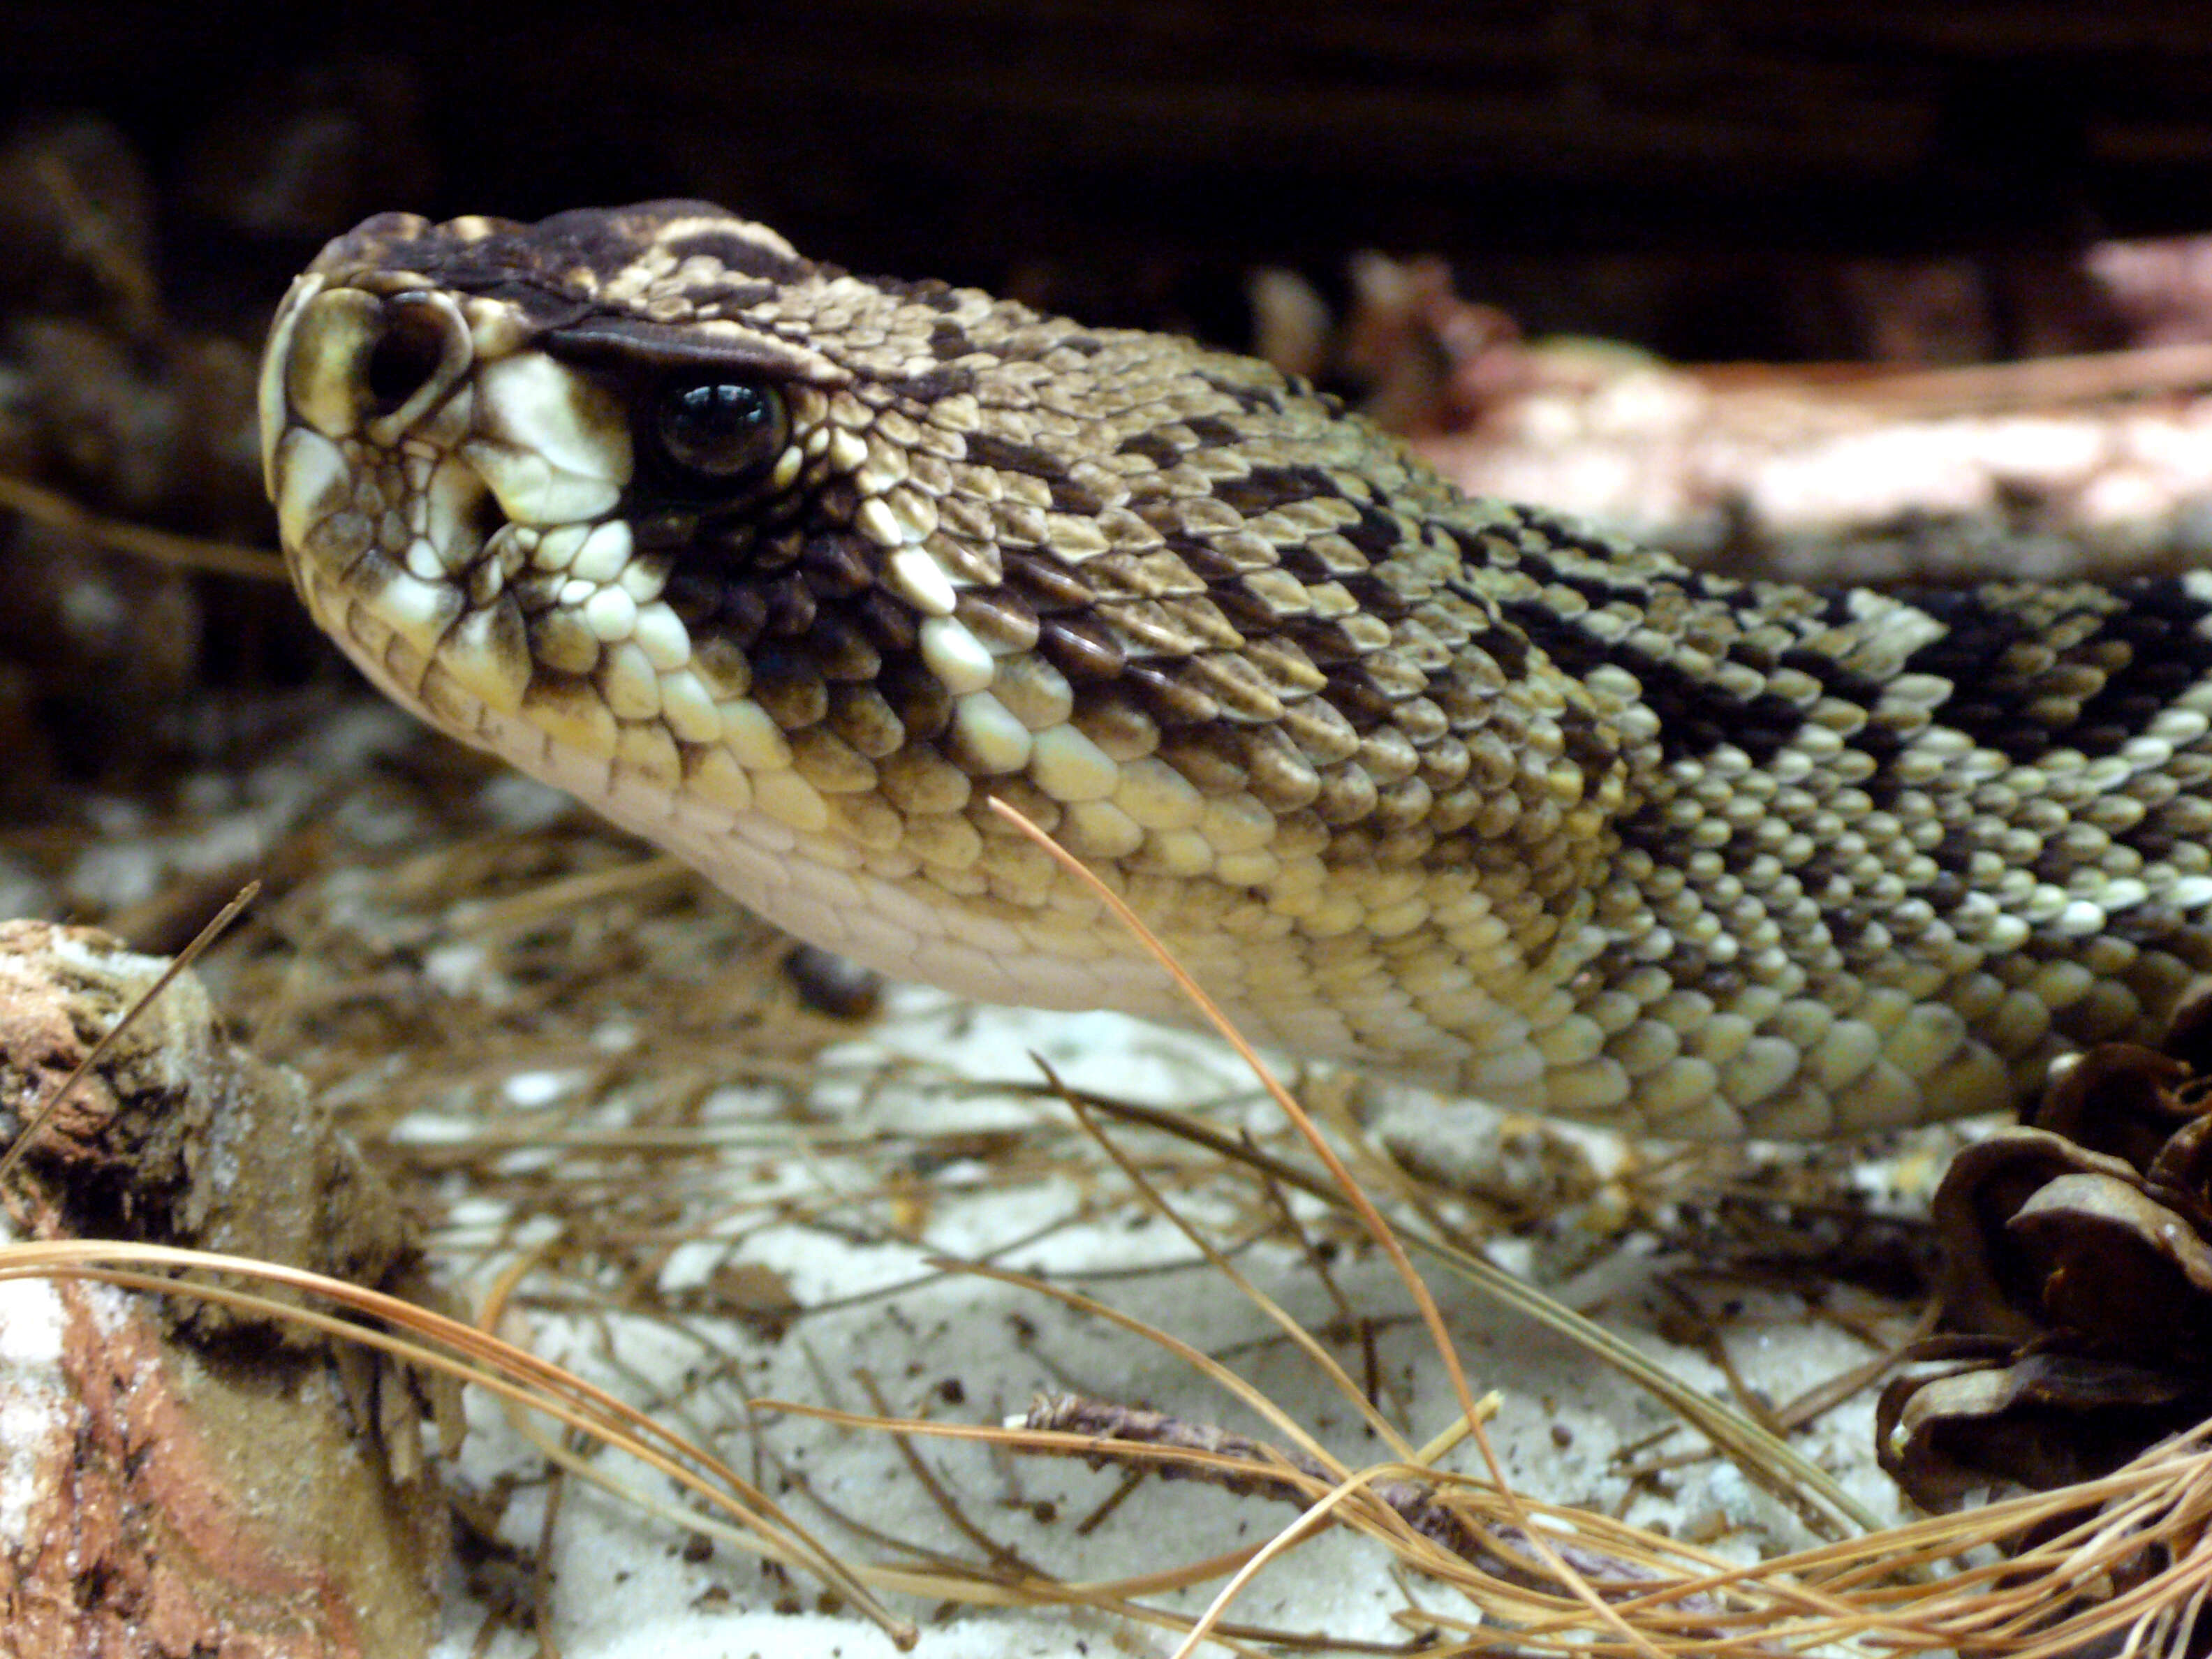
(722, 432)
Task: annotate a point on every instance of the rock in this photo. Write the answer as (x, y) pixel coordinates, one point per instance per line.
(177, 1478)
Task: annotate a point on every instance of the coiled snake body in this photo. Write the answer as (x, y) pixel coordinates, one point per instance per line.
(790, 571)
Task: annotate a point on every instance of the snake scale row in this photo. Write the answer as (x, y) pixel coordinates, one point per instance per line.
(792, 571)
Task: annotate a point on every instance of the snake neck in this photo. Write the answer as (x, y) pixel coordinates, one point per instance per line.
(1896, 849)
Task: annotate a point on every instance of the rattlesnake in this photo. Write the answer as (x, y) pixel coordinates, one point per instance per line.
(792, 571)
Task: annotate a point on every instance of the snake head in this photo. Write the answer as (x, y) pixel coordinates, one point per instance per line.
(711, 535)
(792, 571)
(490, 445)
(591, 487)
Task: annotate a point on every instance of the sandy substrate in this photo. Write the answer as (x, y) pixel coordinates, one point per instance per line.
(561, 1050)
(949, 1348)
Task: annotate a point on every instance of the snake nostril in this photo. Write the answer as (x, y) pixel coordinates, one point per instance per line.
(406, 356)
(485, 517)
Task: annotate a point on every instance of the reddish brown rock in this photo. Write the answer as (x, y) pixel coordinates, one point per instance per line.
(175, 1480)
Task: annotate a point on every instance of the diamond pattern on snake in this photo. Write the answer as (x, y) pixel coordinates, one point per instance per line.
(791, 571)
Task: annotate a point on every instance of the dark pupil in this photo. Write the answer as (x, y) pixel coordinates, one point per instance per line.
(721, 430)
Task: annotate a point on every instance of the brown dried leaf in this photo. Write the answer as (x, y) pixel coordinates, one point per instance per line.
(2120, 1270)
(1989, 1284)
(2118, 1099)
(2081, 1249)
(2047, 1420)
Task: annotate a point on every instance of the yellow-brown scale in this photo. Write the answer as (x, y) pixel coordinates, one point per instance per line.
(1452, 786)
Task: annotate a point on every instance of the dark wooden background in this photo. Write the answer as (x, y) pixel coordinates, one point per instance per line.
(1131, 160)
